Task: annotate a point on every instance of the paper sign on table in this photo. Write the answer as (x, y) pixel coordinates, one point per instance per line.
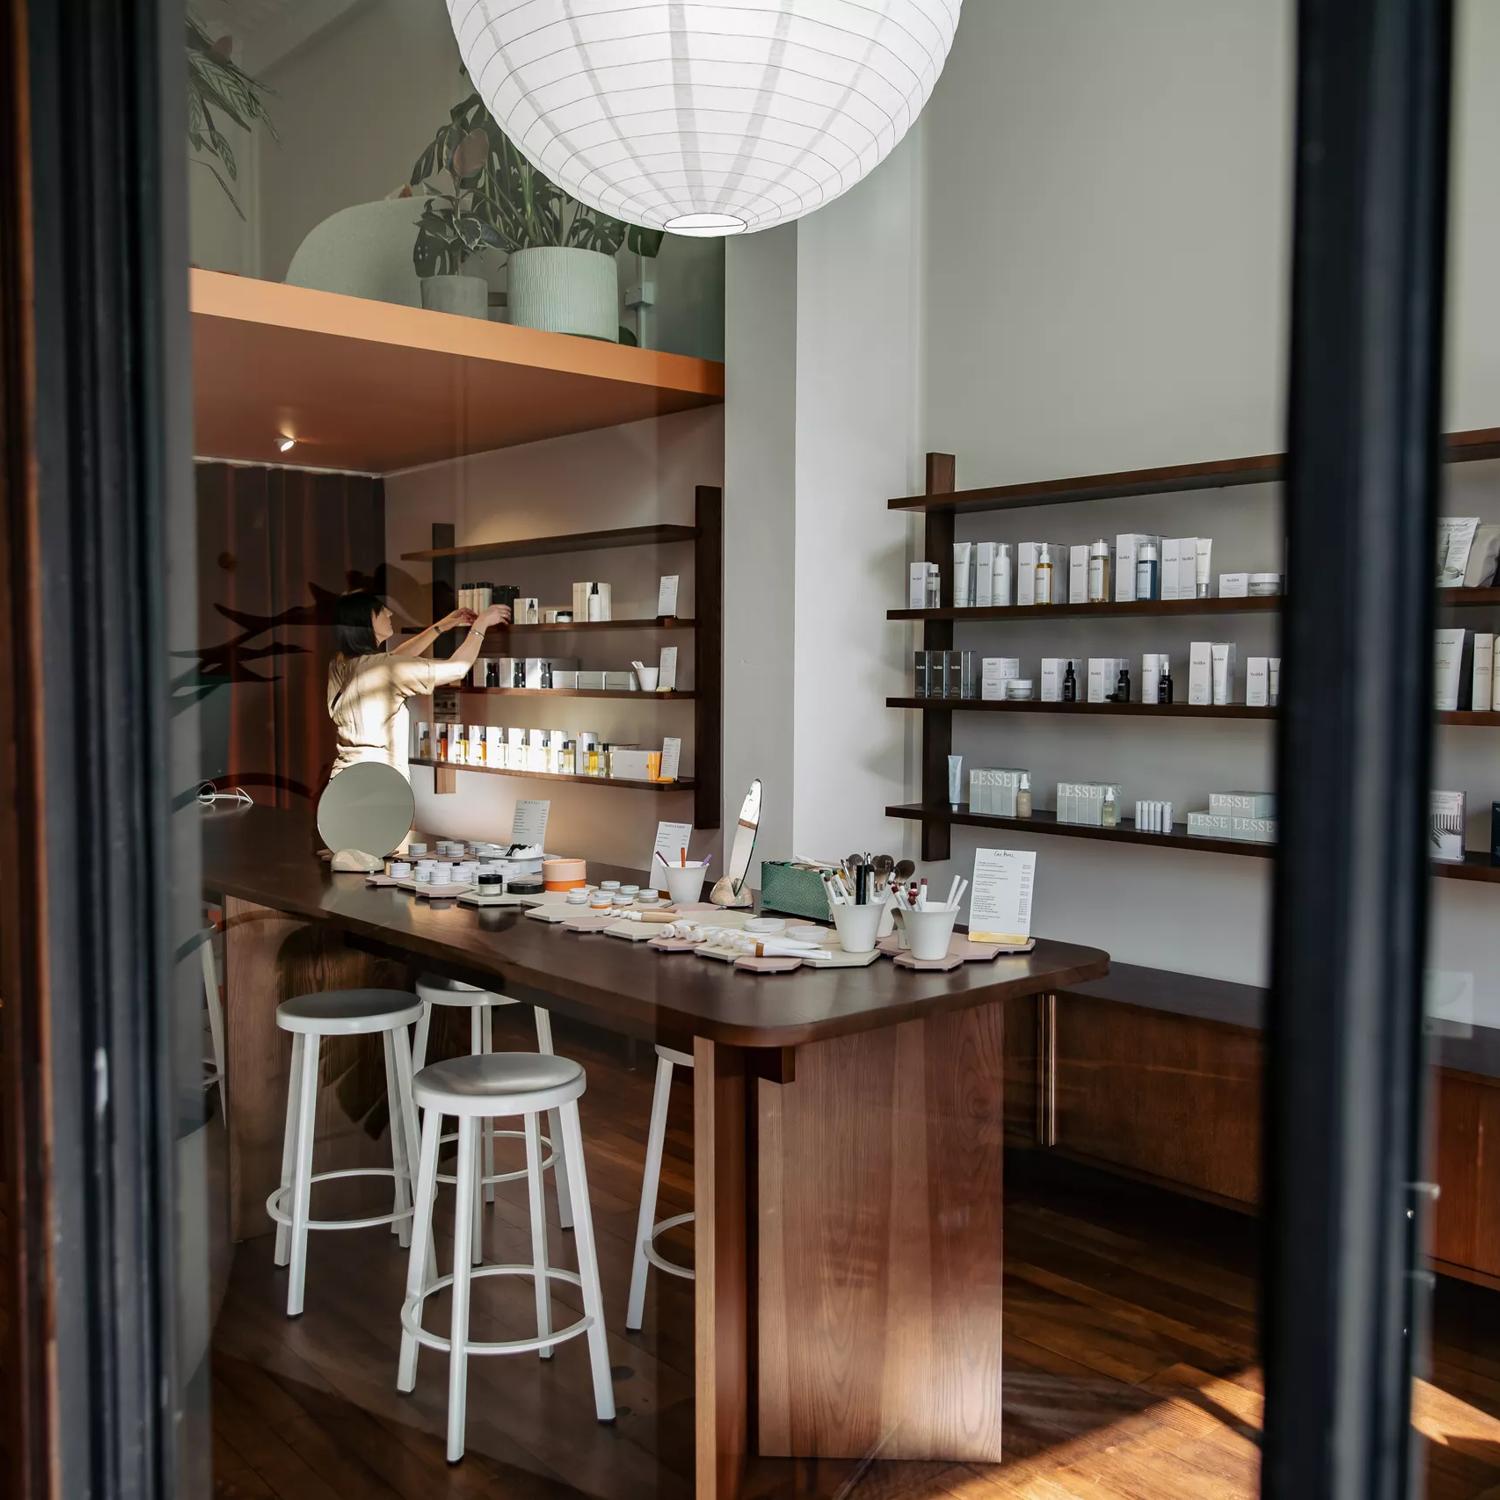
(671, 840)
(1000, 896)
(666, 680)
(671, 758)
(666, 595)
(529, 825)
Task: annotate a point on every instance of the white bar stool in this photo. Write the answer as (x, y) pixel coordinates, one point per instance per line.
(310, 1018)
(646, 1231)
(434, 989)
(215, 1071)
(475, 1089)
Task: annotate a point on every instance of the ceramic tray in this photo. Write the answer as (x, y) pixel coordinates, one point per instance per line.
(475, 899)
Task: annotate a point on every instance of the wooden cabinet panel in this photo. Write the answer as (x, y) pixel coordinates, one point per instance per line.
(1466, 1218)
(1166, 1095)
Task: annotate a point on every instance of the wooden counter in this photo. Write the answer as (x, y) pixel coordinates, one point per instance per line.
(848, 1138)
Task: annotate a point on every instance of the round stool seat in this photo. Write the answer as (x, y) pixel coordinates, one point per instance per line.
(499, 1083)
(437, 989)
(349, 1012)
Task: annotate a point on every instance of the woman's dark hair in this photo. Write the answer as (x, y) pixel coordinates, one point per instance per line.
(354, 622)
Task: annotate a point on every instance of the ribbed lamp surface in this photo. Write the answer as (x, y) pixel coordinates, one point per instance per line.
(705, 117)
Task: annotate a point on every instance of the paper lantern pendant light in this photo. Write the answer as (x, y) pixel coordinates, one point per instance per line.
(705, 117)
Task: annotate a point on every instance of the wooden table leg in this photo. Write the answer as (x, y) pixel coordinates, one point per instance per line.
(722, 1183)
(268, 958)
(878, 1256)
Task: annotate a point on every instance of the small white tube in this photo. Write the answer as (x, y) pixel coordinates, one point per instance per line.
(1205, 551)
(1221, 657)
(955, 781)
(963, 575)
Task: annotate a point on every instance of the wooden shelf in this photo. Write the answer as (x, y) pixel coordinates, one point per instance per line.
(1036, 706)
(375, 387)
(576, 627)
(1266, 468)
(546, 546)
(682, 784)
(1012, 613)
(634, 694)
(1463, 717)
(1476, 865)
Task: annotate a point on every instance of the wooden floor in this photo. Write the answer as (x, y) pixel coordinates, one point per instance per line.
(1129, 1356)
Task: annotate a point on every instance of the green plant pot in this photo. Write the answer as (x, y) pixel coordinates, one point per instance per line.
(467, 296)
(564, 290)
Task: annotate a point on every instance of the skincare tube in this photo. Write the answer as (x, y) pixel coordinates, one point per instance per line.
(1205, 551)
(955, 781)
(1222, 658)
(1273, 680)
(963, 575)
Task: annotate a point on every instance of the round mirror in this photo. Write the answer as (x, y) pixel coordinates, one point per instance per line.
(368, 808)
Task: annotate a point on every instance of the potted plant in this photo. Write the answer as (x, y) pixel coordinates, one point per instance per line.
(456, 220)
(560, 252)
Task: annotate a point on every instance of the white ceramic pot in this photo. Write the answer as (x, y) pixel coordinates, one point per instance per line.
(564, 291)
(467, 296)
(363, 251)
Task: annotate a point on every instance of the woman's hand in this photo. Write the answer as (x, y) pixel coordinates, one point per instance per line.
(496, 614)
(455, 618)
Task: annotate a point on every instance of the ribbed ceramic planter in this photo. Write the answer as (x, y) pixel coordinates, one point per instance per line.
(564, 291)
(468, 296)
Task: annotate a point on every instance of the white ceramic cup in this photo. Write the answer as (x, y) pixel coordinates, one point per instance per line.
(929, 933)
(857, 926)
(400, 870)
(647, 677)
(685, 882)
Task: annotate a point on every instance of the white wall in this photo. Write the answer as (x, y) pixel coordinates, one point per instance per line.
(633, 475)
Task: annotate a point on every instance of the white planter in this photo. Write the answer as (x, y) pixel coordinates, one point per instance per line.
(363, 251)
(565, 291)
(467, 296)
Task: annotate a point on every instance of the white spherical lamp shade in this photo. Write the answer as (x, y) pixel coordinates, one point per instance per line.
(705, 117)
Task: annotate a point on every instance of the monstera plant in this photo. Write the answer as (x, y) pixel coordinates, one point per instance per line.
(482, 193)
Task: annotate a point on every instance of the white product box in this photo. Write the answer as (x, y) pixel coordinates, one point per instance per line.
(1170, 550)
(1242, 804)
(1186, 577)
(984, 574)
(1101, 678)
(1053, 668)
(629, 765)
(1482, 697)
(1449, 668)
(1200, 674)
(1026, 555)
(1446, 833)
(1234, 585)
(1207, 826)
(995, 672)
(1150, 677)
(1253, 830)
(1078, 574)
(1127, 549)
(494, 746)
(1257, 682)
(916, 586)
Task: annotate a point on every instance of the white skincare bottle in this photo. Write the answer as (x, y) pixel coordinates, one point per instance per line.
(955, 781)
(1002, 590)
(596, 604)
(1148, 571)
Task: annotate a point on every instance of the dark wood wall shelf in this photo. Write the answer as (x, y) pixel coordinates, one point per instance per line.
(941, 502)
(707, 626)
(1016, 613)
(633, 694)
(547, 546)
(1464, 716)
(1266, 468)
(1476, 865)
(682, 784)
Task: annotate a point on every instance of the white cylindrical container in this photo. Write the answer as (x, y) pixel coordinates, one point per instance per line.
(564, 290)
